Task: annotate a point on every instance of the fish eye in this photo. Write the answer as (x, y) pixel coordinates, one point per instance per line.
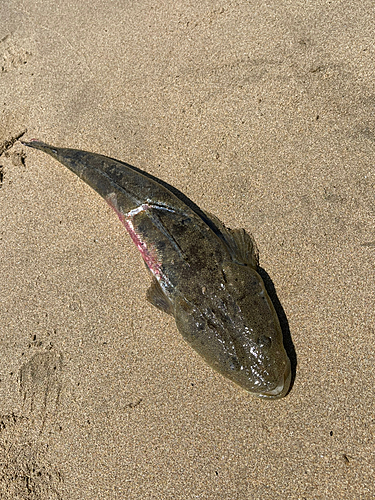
(264, 341)
(234, 364)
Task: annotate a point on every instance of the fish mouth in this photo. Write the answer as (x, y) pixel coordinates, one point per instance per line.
(282, 388)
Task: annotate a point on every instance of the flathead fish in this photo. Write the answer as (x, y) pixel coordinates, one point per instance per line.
(203, 274)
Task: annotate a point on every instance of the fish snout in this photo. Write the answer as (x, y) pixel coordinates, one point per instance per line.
(282, 387)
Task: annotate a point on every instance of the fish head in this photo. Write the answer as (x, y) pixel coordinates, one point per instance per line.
(235, 328)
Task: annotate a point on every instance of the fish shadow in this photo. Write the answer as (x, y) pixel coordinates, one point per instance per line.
(284, 324)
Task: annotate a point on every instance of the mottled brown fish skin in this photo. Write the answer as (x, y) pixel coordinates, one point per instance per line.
(204, 274)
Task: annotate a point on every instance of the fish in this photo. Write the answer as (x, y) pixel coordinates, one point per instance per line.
(203, 274)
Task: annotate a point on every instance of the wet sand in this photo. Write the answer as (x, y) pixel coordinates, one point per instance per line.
(262, 115)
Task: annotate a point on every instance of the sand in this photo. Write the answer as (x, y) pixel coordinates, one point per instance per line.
(263, 114)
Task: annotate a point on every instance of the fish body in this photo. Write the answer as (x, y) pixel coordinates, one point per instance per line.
(203, 274)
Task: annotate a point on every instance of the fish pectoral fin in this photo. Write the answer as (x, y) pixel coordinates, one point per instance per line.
(157, 297)
(244, 246)
(241, 244)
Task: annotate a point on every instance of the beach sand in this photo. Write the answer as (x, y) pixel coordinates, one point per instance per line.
(262, 114)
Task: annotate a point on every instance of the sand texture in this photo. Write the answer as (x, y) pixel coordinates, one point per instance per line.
(262, 113)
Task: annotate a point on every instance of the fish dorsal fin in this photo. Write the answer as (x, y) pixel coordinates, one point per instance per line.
(241, 245)
(157, 297)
